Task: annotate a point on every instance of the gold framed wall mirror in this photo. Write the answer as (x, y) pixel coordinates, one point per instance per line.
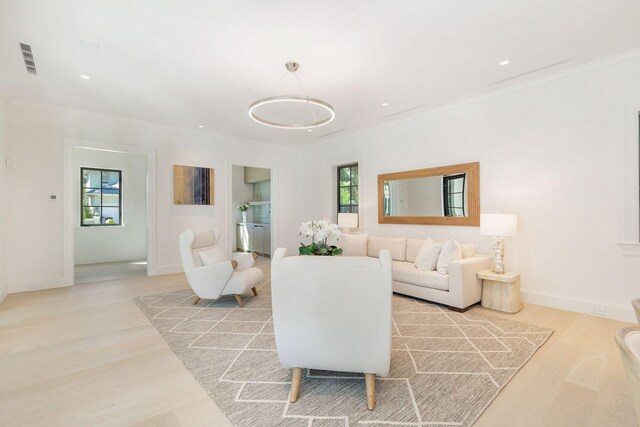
(445, 195)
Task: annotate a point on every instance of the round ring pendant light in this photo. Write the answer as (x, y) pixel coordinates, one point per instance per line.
(314, 122)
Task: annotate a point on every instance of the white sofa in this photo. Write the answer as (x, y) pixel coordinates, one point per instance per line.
(332, 313)
(459, 289)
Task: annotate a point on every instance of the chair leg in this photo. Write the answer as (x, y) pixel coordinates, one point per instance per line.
(197, 300)
(370, 382)
(239, 299)
(296, 380)
(254, 255)
(255, 291)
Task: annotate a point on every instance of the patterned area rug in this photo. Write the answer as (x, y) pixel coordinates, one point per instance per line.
(446, 367)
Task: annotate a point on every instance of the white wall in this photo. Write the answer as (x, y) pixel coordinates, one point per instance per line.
(549, 151)
(36, 145)
(3, 157)
(114, 243)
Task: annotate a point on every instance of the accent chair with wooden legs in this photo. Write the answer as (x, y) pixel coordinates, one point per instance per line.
(334, 314)
(218, 276)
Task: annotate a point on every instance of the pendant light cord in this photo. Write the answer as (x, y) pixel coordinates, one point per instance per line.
(295, 74)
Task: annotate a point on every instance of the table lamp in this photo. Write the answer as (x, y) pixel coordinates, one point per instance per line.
(348, 220)
(499, 226)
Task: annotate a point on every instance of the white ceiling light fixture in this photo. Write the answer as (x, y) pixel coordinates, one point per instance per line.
(385, 104)
(292, 67)
(201, 126)
(85, 77)
(504, 62)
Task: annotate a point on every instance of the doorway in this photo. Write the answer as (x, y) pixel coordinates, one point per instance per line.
(253, 214)
(109, 211)
(110, 234)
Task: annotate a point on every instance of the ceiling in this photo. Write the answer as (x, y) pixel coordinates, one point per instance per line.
(193, 63)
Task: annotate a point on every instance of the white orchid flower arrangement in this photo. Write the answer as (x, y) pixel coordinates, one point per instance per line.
(319, 231)
(243, 207)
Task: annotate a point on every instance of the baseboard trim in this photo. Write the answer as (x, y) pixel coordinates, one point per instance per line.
(159, 270)
(609, 310)
(38, 285)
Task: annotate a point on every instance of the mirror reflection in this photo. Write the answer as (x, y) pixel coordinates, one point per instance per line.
(441, 195)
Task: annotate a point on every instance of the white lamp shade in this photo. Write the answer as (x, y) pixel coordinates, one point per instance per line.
(348, 220)
(498, 224)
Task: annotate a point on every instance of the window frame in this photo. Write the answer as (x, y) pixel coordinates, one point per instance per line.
(446, 194)
(629, 218)
(351, 206)
(101, 206)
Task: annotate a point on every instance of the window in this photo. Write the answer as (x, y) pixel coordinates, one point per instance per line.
(348, 188)
(101, 197)
(386, 188)
(453, 192)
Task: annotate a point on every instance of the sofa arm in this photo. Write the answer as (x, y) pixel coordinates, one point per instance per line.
(244, 261)
(278, 256)
(465, 287)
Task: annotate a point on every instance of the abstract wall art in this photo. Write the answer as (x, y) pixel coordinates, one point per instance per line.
(192, 185)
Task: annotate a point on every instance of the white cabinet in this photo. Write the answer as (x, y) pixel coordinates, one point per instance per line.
(253, 175)
(266, 241)
(242, 237)
(257, 242)
(254, 238)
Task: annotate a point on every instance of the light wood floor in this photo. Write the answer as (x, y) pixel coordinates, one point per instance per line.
(105, 271)
(86, 355)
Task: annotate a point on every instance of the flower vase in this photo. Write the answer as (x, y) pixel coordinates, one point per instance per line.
(244, 216)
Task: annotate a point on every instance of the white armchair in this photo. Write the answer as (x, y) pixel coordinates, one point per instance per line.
(333, 313)
(234, 276)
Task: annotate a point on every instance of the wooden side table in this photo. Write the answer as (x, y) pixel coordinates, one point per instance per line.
(501, 291)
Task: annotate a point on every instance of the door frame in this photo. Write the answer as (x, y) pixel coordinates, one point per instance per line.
(275, 208)
(69, 207)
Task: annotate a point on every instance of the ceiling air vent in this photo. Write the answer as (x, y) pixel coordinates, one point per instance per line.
(27, 55)
(517, 76)
(332, 133)
(403, 111)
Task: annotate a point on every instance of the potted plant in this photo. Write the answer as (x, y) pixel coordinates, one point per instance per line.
(243, 210)
(319, 231)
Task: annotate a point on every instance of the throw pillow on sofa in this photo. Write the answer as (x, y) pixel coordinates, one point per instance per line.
(468, 250)
(451, 251)
(427, 258)
(354, 244)
(212, 255)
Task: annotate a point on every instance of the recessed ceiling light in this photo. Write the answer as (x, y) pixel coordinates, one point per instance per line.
(200, 126)
(385, 104)
(84, 76)
(503, 63)
(309, 130)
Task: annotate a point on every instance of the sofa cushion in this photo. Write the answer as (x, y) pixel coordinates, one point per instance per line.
(413, 247)
(406, 272)
(468, 250)
(396, 245)
(450, 252)
(212, 255)
(427, 259)
(353, 244)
